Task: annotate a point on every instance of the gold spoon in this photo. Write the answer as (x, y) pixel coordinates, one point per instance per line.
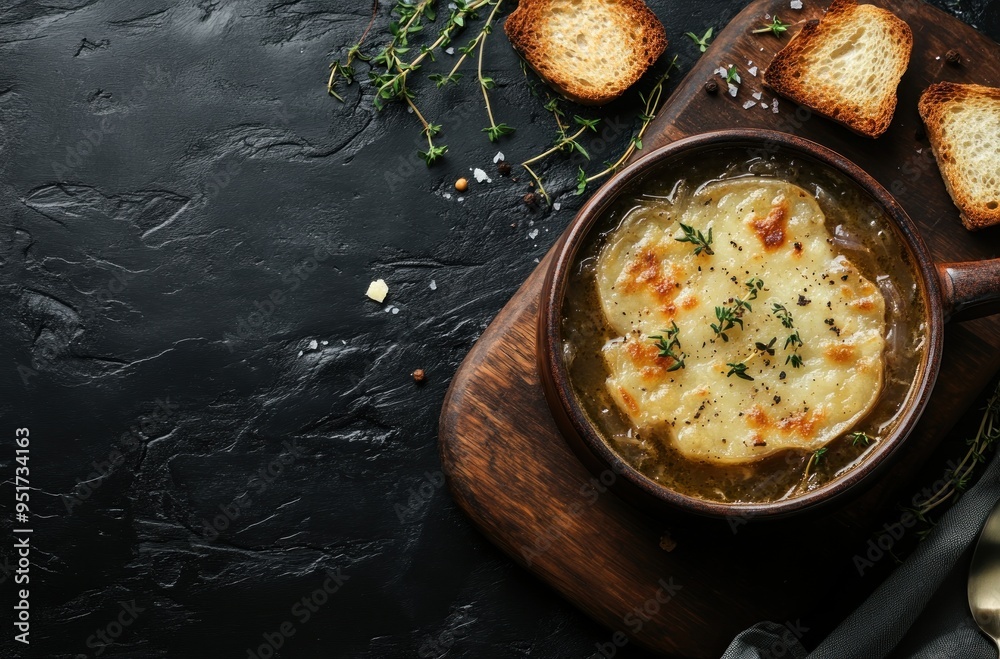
(984, 578)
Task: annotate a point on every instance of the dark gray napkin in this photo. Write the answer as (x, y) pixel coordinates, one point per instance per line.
(929, 587)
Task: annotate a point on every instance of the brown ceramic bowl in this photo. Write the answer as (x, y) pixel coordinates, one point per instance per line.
(949, 290)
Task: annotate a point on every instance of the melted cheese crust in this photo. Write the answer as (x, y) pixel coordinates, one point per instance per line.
(762, 228)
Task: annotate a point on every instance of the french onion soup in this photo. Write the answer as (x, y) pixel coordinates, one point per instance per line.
(743, 329)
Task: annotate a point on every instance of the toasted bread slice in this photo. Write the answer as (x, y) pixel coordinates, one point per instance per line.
(847, 66)
(590, 51)
(963, 124)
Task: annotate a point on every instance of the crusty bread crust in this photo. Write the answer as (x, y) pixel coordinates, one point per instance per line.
(978, 211)
(790, 68)
(629, 24)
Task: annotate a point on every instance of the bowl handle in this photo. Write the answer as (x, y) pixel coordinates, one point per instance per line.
(971, 289)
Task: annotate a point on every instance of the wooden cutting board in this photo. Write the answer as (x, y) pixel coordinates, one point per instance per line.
(512, 473)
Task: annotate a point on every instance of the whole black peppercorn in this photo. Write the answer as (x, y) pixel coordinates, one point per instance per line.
(531, 199)
(712, 87)
(504, 168)
(953, 57)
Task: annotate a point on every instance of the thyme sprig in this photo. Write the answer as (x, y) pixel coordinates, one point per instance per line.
(651, 105)
(766, 348)
(494, 131)
(728, 319)
(391, 69)
(666, 343)
(701, 42)
(702, 243)
(730, 315)
(794, 340)
(814, 459)
(987, 435)
(777, 28)
(564, 142)
(862, 438)
(346, 68)
(739, 370)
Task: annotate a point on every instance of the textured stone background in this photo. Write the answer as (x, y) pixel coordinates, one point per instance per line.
(166, 167)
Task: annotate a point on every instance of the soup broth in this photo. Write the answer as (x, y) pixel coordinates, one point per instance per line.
(858, 230)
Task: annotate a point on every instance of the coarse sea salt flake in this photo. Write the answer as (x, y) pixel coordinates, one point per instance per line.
(533, 234)
(733, 90)
(556, 206)
(749, 104)
(774, 106)
(481, 176)
(757, 95)
(449, 50)
(434, 285)
(796, 4)
(377, 290)
(313, 344)
(395, 310)
(753, 71)
(498, 157)
(763, 105)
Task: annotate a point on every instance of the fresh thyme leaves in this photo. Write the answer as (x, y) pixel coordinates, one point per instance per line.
(701, 42)
(728, 319)
(777, 28)
(666, 342)
(732, 75)
(739, 370)
(494, 131)
(814, 459)
(862, 438)
(731, 315)
(697, 238)
(782, 314)
(766, 348)
(564, 142)
(391, 69)
(960, 476)
(794, 341)
(651, 105)
(346, 68)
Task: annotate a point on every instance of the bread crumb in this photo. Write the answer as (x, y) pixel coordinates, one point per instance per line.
(377, 290)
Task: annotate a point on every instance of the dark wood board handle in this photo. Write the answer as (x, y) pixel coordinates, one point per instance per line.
(971, 289)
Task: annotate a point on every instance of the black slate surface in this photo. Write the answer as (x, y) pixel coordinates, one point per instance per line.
(183, 213)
